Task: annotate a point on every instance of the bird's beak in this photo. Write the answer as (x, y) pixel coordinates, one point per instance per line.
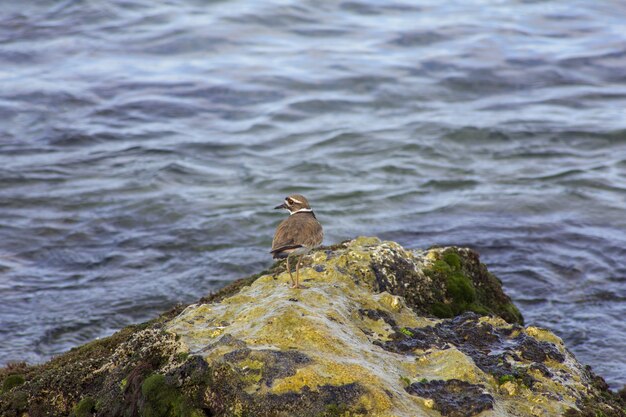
(282, 206)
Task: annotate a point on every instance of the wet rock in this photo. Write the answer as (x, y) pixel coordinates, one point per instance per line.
(380, 331)
(497, 350)
(454, 398)
(377, 315)
(266, 365)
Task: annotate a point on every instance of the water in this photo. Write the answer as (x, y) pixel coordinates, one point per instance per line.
(143, 145)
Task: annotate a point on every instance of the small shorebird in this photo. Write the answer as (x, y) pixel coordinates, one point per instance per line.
(297, 234)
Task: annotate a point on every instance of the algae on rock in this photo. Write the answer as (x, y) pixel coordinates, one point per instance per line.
(380, 331)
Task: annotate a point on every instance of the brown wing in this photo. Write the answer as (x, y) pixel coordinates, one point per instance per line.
(298, 230)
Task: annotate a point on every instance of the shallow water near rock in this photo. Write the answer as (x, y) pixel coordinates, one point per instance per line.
(143, 146)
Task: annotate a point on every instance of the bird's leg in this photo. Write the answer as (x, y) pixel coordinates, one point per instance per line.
(298, 272)
(289, 270)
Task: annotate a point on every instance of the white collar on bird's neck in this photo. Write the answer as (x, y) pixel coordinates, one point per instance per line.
(302, 210)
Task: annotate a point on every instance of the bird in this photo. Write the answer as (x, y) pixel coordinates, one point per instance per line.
(297, 234)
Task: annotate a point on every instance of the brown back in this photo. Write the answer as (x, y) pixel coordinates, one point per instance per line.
(297, 230)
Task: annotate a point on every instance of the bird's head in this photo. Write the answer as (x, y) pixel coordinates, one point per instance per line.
(295, 203)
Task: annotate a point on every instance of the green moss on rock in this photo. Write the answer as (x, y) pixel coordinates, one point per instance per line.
(85, 408)
(161, 399)
(453, 260)
(11, 382)
(335, 410)
(406, 331)
(467, 286)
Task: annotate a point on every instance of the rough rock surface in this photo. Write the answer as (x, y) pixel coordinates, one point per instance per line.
(380, 331)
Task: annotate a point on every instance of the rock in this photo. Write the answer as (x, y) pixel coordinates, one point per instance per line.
(380, 331)
(453, 398)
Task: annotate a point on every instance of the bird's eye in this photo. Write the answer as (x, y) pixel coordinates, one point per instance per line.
(289, 201)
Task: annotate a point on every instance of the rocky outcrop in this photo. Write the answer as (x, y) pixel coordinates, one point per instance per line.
(380, 331)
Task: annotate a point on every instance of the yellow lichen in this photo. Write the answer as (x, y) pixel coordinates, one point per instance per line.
(544, 335)
(450, 364)
(317, 375)
(433, 256)
(494, 321)
(250, 364)
(392, 302)
(365, 241)
(509, 387)
(332, 373)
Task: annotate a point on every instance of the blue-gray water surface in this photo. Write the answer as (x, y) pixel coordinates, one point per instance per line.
(143, 145)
